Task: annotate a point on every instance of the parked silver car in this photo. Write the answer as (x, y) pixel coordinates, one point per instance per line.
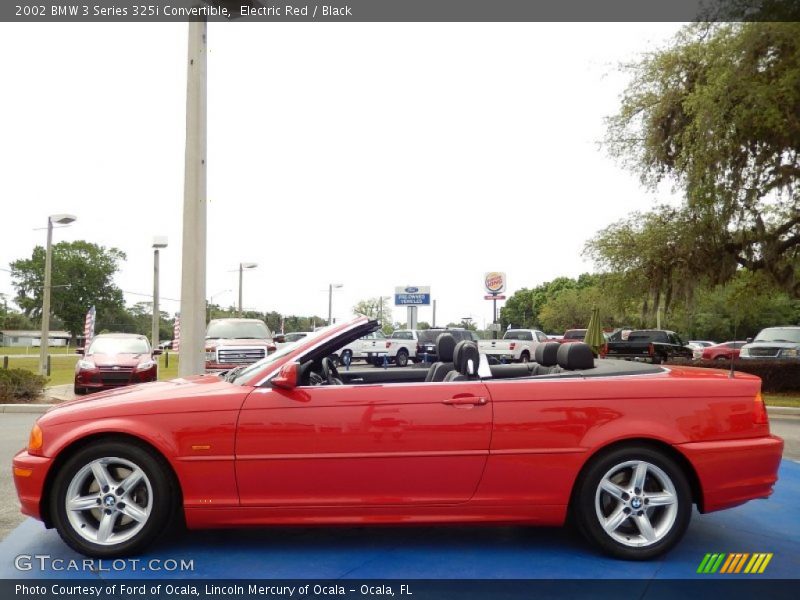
(774, 343)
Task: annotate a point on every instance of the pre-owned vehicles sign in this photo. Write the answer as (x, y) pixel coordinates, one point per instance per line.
(411, 295)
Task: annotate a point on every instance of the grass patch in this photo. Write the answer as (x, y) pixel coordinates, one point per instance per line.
(792, 400)
(17, 350)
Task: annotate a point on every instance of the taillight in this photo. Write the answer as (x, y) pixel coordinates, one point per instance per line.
(760, 410)
(650, 349)
(388, 344)
(603, 350)
(419, 349)
(512, 345)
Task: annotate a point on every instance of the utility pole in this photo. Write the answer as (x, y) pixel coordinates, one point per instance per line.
(158, 243)
(193, 261)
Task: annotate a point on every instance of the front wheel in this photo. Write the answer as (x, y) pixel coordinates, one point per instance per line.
(111, 499)
(633, 503)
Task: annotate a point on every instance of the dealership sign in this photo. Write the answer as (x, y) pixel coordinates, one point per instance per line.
(495, 282)
(412, 295)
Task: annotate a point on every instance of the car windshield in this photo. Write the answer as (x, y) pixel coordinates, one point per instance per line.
(648, 336)
(240, 375)
(575, 334)
(110, 345)
(402, 335)
(779, 334)
(518, 335)
(237, 330)
(429, 336)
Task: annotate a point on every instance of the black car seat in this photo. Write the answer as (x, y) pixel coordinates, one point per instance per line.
(445, 344)
(547, 354)
(575, 356)
(466, 358)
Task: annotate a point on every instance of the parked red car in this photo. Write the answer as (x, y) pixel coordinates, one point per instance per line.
(293, 440)
(723, 351)
(113, 360)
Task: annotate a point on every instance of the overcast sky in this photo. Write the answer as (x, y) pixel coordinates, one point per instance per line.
(372, 155)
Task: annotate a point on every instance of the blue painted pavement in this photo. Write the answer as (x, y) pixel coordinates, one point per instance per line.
(436, 552)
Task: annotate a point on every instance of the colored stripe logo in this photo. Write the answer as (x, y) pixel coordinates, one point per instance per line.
(734, 562)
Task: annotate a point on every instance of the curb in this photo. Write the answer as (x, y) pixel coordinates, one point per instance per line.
(783, 411)
(25, 408)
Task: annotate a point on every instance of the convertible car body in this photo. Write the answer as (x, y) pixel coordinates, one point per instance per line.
(624, 449)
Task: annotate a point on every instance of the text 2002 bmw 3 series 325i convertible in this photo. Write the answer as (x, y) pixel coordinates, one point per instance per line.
(624, 449)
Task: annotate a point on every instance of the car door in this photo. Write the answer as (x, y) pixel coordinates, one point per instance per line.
(364, 445)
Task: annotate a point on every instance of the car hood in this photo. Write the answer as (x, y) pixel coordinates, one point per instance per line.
(238, 342)
(771, 345)
(177, 395)
(119, 360)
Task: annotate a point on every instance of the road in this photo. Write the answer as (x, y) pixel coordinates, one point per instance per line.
(14, 430)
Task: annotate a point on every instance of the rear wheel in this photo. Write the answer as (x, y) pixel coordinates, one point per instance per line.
(346, 357)
(112, 499)
(525, 357)
(402, 358)
(633, 503)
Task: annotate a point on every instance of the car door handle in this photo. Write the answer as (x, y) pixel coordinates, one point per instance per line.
(466, 401)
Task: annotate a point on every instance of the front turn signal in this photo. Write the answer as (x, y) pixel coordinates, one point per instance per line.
(35, 440)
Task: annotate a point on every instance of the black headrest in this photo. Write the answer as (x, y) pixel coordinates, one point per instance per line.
(445, 344)
(576, 355)
(546, 354)
(466, 357)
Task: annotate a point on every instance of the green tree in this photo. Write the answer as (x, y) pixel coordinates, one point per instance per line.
(377, 308)
(82, 276)
(716, 113)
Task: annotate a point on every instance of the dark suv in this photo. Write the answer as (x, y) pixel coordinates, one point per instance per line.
(426, 341)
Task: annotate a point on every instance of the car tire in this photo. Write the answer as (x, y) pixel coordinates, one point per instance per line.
(343, 357)
(525, 357)
(619, 514)
(401, 360)
(105, 520)
(78, 391)
(722, 357)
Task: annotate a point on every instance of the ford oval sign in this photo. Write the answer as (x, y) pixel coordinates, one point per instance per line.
(495, 282)
(412, 290)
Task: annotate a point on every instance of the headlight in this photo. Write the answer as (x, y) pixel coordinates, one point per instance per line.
(86, 365)
(211, 355)
(744, 352)
(35, 440)
(789, 353)
(148, 364)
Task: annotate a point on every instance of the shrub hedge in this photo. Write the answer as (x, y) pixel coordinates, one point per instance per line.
(19, 385)
(776, 375)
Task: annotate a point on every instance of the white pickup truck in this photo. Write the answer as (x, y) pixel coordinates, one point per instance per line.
(375, 346)
(517, 345)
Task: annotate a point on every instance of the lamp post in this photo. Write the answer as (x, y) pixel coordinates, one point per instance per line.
(331, 287)
(48, 265)
(242, 267)
(159, 242)
(211, 302)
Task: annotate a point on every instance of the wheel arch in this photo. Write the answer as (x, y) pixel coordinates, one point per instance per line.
(69, 450)
(667, 449)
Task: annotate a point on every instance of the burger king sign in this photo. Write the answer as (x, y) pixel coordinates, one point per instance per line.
(494, 282)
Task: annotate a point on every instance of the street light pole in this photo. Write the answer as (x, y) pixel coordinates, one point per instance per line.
(158, 243)
(331, 287)
(242, 267)
(48, 266)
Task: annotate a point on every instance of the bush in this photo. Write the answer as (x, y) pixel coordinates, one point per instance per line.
(777, 376)
(19, 385)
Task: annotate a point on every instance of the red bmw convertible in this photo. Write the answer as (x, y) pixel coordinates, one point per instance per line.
(623, 449)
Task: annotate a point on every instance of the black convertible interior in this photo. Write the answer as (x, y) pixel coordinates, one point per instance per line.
(462, 361)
